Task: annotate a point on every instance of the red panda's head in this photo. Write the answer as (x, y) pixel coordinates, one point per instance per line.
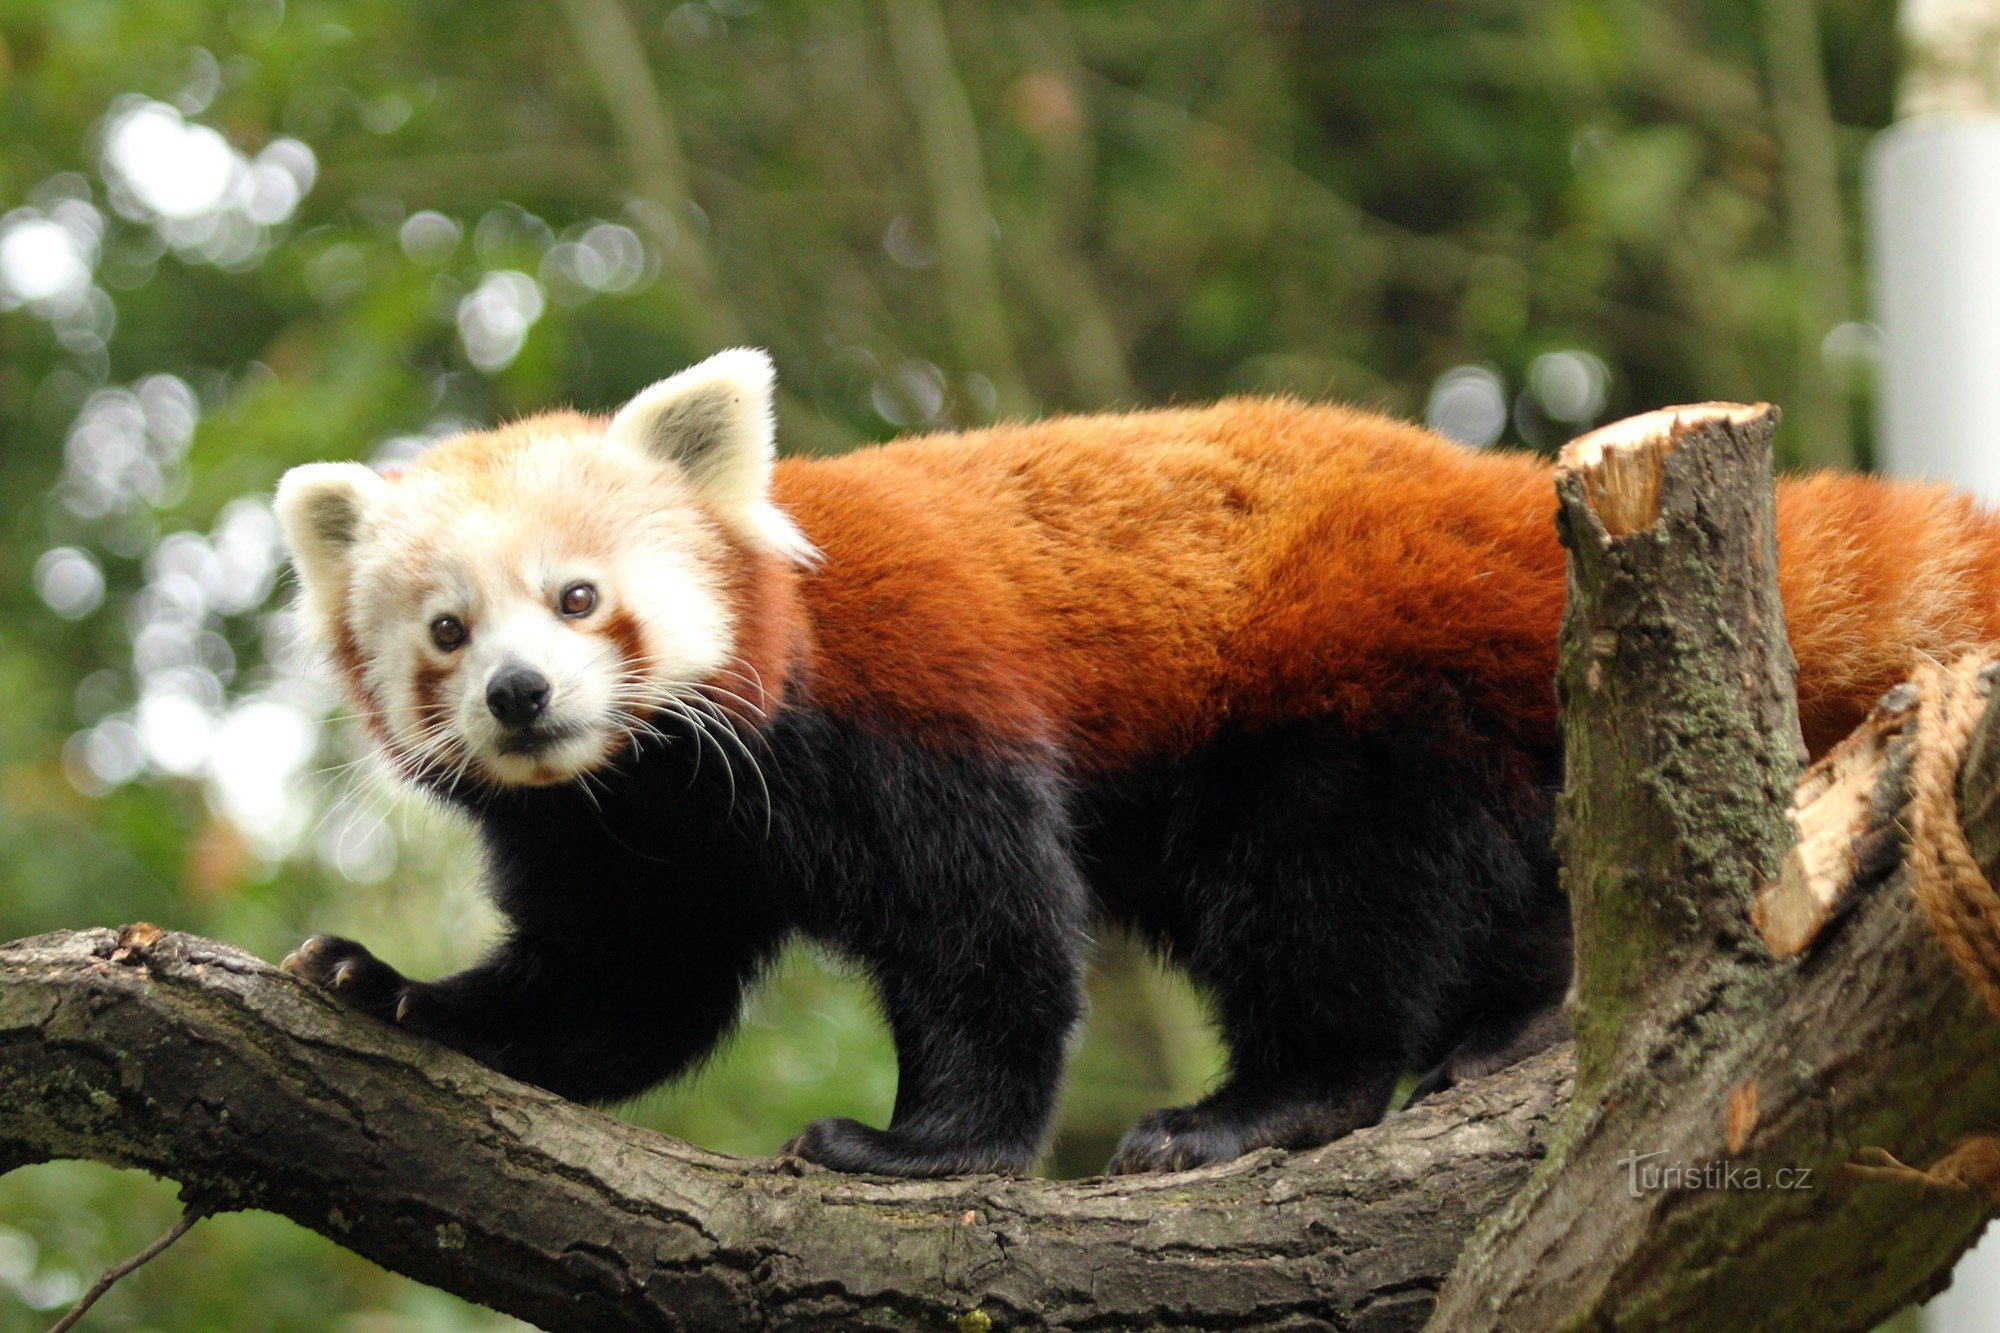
(518, 604)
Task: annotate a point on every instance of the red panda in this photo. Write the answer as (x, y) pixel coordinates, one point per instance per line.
(1268, 683)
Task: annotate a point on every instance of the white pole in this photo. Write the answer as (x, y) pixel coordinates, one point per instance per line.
(1934, 210)
(1933, 187)
(1934, 216)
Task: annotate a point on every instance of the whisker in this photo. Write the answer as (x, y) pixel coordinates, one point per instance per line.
(693, 719)
(733, 729)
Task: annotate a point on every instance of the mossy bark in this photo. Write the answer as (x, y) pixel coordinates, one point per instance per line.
(1680, 734)
(1707, 1066)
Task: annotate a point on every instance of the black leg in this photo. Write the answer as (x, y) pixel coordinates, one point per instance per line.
(964, 904)
(588, 1027)
(1249, 1113)
(1492, 1047)
(1315, 1038)
(981, 1010)
(1349, 906)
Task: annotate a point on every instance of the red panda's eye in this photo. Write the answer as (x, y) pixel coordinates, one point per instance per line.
(578, 599)
(448, 632)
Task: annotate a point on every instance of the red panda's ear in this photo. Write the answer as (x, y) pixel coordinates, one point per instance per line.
(322, 507)
(714, 422)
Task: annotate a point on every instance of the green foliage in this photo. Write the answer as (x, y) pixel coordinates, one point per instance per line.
(1564, 210)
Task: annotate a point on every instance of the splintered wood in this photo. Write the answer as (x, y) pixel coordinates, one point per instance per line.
(1832, 811)
(1621, 464)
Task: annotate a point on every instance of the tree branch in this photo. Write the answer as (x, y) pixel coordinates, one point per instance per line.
(1809, 171)
(465, 179)
(648, 137)
(198, 1062)
(948, 135)
(123, 1269)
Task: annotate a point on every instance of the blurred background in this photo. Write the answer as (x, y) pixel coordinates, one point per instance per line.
(237, 235)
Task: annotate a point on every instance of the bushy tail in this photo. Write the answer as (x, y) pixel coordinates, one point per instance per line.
(1876, 574)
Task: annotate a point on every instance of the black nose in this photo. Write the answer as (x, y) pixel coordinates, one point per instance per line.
(517, 695)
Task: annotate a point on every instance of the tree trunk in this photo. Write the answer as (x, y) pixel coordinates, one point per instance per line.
(1721, 1040)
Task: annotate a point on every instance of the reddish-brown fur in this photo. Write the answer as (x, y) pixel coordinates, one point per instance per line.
(1127, 585)
(763, 595)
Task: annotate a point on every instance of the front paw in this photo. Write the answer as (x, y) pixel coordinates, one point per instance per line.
(352, 975)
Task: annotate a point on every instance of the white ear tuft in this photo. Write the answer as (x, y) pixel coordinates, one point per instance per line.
(714, 422)
(321, 507)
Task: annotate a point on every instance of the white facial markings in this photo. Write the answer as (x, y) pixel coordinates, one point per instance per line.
(496, 549)
(491, 527)
(527, 632)
(684, 619)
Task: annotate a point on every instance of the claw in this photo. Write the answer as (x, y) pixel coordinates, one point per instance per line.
(346, 971)
(299, 961)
